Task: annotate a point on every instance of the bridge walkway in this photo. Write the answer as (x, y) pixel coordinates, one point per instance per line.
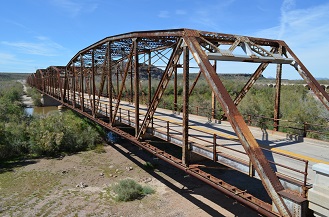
(291, 156)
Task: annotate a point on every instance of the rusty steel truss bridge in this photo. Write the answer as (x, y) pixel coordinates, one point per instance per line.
(103, 82)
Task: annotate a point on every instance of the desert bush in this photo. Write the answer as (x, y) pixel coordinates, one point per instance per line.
(35, 95)
(61, 132)
(129, 190)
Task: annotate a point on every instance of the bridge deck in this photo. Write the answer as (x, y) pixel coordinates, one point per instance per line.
(288, 153)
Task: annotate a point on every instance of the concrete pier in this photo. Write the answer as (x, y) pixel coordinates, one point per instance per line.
(319, 195)
(48, 101)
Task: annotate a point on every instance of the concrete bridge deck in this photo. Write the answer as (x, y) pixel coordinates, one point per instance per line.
(280, 148)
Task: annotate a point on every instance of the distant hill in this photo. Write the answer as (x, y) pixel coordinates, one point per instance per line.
(5, 76)
(156, 73)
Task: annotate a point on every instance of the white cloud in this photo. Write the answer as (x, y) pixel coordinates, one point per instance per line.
(5, 58)
(11, 63)
(75, 8)
(163, 14)
(306, 33)
(43, 47)
(180, 12)
(286, 6)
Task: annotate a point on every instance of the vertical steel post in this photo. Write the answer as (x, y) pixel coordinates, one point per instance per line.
(109, 81)
(213, 98)
(185, 152)
(214, 150)
(213, 105)
(149, 80)
(68, 88)
(118, 79)
(277, 97)
(136, 87)
(131, 100)
(93, 80)
(175, 88)
(82, 85)
(304, 129)
(269, 179)
(74, 87)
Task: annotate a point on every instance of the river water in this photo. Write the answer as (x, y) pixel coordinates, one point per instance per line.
(40, 110)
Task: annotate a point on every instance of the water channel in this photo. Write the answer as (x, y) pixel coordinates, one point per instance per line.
(36, 110)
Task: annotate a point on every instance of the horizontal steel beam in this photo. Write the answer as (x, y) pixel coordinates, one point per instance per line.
(246, 58)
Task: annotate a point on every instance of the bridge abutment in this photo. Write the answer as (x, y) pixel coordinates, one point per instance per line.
(319, 195)
(48, 101)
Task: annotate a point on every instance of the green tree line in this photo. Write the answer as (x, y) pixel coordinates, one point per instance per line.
(298, 106)
(51, 135)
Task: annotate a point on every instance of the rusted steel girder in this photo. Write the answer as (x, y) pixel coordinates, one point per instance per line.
(267, 175)
(308, 77)
(277, 96)
(109, 81)
(136, 67)
(82, 100)
(120, 49)
(122, 84)
(174, 58)
(185, 147)
(251, 81)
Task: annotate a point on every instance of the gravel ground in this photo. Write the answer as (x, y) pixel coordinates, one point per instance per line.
(76, 186)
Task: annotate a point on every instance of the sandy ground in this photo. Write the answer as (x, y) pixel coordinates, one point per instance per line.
(48, 187)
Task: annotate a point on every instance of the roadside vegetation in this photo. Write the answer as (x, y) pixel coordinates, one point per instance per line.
(52, 135)
(61, 133)
(35, 95)
(129, 190)
(299, 107)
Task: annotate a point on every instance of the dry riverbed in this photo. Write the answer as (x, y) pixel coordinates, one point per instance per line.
(76, 186)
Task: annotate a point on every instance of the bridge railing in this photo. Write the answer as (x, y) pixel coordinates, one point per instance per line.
(172, 129)
(304, 129)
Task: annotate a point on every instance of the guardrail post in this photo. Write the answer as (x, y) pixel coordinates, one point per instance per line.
(214, 150)
(167, 130)
(197, 110)
(305, 129)
(305, 179)
(249, 120)
(128, 116)
(106, 110)
(120, 114)
(251, 169)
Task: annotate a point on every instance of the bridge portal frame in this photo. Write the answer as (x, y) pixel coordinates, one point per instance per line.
(105, 57)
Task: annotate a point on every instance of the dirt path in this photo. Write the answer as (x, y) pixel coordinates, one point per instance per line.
(48, 187)
(26, 100)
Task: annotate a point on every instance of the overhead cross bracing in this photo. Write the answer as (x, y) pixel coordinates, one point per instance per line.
(111, 68)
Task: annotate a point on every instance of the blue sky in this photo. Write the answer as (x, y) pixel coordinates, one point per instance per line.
(39, 33)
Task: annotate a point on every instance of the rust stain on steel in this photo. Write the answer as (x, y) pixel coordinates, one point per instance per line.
(62, 83)
(268, 177)
(122, 85)
(174, 58)
(193, 170)
(277, 97)
(185, 147)
(250, 82)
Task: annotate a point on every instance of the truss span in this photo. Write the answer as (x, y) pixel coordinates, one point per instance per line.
(100, 78)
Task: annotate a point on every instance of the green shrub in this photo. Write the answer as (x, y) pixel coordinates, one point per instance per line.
(99, 149)
(129, 190)
(35, 95)
(148, 190)
(61, 132)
